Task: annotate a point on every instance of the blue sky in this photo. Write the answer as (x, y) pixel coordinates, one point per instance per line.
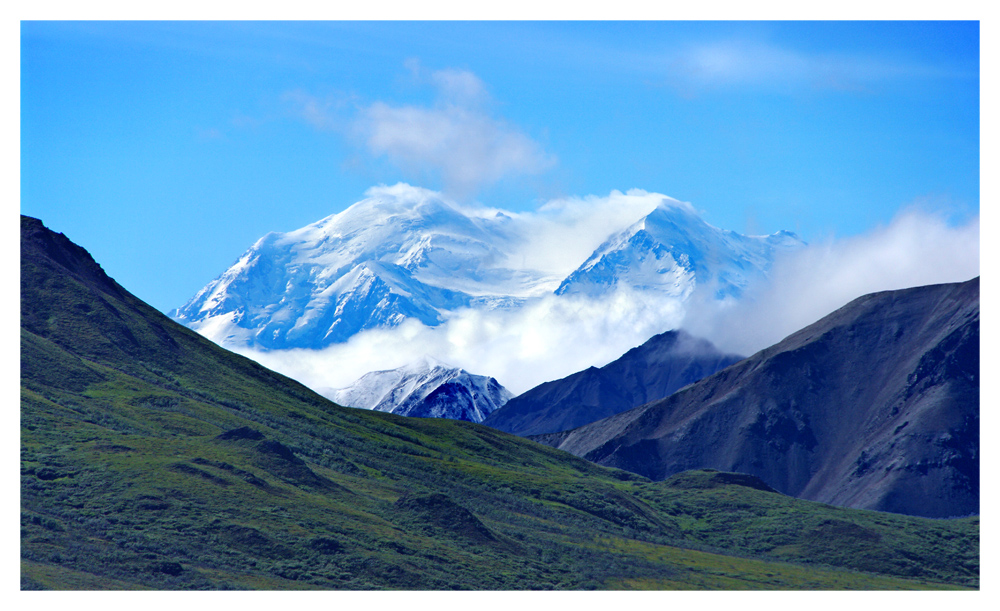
(168, 148)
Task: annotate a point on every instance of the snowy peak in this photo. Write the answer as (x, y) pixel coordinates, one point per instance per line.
(425, 388)
(670, 251)
(401, 253)
(394, 225)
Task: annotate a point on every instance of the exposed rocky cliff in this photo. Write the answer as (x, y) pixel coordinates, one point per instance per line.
(875, 406)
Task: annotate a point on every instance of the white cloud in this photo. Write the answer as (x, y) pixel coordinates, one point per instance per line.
(459, 86)
(467, 148)
(548, 339)
(562, 233)
(455, 139)
(917, 248)
(320, 113)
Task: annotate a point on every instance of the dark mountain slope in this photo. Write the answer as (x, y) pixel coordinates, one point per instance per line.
(652, 371)
(875, 406)
(151, 458)
(68, 300)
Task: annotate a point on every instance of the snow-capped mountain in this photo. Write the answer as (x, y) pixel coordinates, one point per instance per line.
(672, 249)
(427, 388)
(402, 253)
(406, 253)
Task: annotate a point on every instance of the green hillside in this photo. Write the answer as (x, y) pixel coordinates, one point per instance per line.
(151, 458)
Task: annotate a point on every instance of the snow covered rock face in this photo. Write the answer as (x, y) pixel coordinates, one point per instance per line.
(672, 249)
(426, 389)
(406, 253)
(403, 253)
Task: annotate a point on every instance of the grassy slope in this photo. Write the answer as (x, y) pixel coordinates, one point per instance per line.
(125, 485)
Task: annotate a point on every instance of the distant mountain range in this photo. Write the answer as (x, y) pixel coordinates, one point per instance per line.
(875, 406)
(649, 372)
(408, 253)
(426, 388)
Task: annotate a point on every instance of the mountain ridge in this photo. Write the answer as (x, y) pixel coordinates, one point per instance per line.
(875, 406)
(400, 253)
(653, 370)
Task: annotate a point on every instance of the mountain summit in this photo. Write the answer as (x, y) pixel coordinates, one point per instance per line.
(402, 253)
(426, 388)
(670, 250)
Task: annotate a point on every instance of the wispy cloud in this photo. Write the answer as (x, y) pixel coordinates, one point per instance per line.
(563, 232)
(456, 86)
(322, 113)
(736, 63)
(456, 139)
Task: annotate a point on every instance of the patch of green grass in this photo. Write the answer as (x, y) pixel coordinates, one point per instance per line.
(691, 569)
(766, 524)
